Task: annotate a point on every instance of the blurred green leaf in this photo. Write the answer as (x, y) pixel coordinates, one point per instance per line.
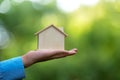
(93, 30)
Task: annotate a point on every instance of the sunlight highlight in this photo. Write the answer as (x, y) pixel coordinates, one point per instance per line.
(5, 6)
(4, 37)
(72, 5)
(43, 2)
(19, 1)
(89, 2)
(68, 5)
(35, 0)
(79, 24)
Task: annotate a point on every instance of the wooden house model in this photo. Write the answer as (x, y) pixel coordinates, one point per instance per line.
(51, 38)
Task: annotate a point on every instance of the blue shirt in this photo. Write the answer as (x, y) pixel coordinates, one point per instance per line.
(12, 69)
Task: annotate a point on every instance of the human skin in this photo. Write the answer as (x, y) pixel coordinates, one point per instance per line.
(41, 55)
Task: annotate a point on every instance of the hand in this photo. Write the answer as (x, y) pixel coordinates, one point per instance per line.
(45, 54)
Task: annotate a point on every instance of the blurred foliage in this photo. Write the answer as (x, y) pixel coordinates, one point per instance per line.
(93, 30)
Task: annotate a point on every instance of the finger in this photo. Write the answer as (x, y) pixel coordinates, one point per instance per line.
(60, 51)
(59, 56)
(73, 51)
(65, 53)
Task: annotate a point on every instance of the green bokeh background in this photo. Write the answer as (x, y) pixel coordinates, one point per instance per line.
(94, 31)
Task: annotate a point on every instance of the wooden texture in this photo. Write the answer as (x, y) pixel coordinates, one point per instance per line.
(60, 30)
(51, 38)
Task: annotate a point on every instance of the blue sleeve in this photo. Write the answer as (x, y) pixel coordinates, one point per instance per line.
(12, 69)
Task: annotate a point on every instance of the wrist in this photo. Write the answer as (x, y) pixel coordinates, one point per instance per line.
(27, 60)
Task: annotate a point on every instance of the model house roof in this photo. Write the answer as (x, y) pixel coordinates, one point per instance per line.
(50, 27)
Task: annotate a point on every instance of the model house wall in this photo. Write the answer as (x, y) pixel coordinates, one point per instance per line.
(51, 38)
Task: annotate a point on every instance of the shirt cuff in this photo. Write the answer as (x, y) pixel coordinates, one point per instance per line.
(12, 69)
